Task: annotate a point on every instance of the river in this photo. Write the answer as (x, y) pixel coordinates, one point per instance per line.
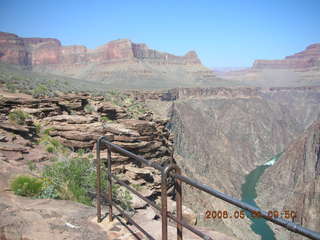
(249, 194)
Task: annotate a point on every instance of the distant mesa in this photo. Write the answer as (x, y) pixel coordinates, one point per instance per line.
(308, 58)
(119, 63)
(45, 51)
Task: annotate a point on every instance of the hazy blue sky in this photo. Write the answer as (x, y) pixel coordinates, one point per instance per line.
(224, 33)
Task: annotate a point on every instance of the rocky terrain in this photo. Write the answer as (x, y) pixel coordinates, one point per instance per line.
(119, 63)
(222, 134)
(77, 121)
(294, 182)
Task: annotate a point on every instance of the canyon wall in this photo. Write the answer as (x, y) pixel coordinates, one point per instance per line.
(223, 134)
(294, 182)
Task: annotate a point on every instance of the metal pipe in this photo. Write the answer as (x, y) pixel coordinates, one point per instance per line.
(98, 180)
(279, 221)
(132, 155)
(178, 191)
(122, 183)
(133, 222)
(192, 229)
(109, 185)
(178, 181)
(164, 207)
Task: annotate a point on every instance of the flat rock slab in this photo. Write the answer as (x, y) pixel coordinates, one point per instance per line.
(12, 147)
(13, 127)
(71, 119)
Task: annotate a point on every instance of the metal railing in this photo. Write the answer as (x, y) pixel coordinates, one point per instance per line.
(174, 171)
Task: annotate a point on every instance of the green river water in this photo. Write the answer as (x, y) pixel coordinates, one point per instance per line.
(249, 194)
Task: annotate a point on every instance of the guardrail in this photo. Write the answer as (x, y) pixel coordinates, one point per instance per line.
(174, 171)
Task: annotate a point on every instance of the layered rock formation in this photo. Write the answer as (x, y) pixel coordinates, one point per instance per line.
(46, 51)
(223, 134)
(147, 138)
(294, 182)
(306, 59)
(121, 63)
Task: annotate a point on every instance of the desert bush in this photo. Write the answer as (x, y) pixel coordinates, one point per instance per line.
(31, 165)
(105, 119)
(89, 108)
(52, 145)
(18, 116)
(26, 186)
(75, 179)
(11, 87)
(40, 91)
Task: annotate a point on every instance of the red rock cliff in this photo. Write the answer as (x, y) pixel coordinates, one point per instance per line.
(308, 58)
(47, 51)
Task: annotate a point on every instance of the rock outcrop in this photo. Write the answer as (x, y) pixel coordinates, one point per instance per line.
(309, 58)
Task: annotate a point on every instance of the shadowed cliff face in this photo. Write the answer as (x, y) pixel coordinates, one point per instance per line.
(295, 181)
(223, 136)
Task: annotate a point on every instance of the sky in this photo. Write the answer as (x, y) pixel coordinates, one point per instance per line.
(226, 33)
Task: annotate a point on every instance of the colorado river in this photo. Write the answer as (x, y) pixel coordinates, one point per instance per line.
(248, 195)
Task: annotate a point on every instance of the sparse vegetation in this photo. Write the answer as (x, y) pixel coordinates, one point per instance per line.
(26, 186)
(18, 116)
(133, 107)
(75, 179)
(31, 165)
(41, 91)
(11, 87)
(105, 119)
(137, 187)
(52, 145)
(89, 108)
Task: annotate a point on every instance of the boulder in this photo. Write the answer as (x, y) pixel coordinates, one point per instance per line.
(142, 126)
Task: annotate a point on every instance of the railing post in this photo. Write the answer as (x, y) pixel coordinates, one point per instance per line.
(98, 180)
(164, 207)
(109, 185)
(178, 187)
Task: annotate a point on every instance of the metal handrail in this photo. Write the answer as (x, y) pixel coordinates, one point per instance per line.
(175, 172)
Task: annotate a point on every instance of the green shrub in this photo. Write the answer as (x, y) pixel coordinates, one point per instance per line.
(26, 186)
(52, 145)
(31, 165)
(75, 179)
(37, 128)
(89, 108)
(137, 187)
(72, 179)
(41, 91)
(105, 119)
(18, 116)
(123, 198)
(11, 87)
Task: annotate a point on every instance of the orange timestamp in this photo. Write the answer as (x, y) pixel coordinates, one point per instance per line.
(240, 214)
(224, 214)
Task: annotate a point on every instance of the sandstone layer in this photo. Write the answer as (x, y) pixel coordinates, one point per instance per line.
(308, 58)
(120, 63)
